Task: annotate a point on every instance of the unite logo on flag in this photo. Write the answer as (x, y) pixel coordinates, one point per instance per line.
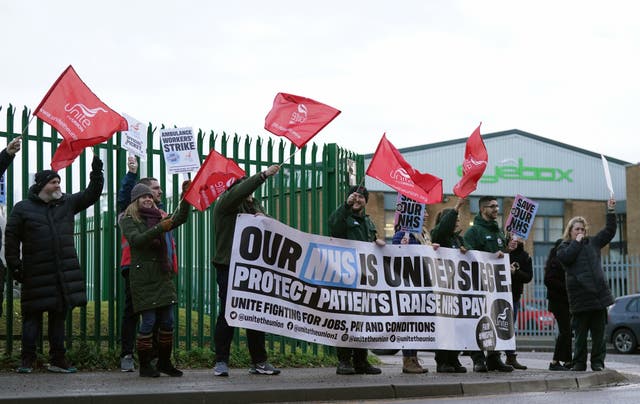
(215, 190)
(400, 175)
(80, 115)
(473, 166)
(300, 116)
(471, 163)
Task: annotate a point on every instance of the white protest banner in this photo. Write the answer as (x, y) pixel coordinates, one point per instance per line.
(521, 216)
(607, 175)
(409, 215)
(179, 148)
(355, 294)
(135, 139)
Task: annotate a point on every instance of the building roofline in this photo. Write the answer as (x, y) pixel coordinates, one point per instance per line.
(507, 133)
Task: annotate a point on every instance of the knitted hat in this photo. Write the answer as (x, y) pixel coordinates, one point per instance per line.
(139, 190)
(361, 190)
(42, 178)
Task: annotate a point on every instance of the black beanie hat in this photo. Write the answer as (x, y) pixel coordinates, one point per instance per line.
(361, 190)
(42, 178)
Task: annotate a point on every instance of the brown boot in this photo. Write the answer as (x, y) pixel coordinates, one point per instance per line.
(410, 364)
(165, 346)
(511, 360)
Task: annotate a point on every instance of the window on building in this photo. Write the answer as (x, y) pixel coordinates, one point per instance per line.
(389, 219)
(546, 230)
(618, 246)
(555, 228)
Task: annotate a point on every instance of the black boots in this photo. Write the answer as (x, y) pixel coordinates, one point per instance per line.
(494, 362)
(165, 346)
(512, 361)
(145, 355)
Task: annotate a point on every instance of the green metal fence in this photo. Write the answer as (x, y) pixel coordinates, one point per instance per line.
(301, 195)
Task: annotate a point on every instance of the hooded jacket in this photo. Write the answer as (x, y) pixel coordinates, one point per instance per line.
(587, 285)
(48, 264)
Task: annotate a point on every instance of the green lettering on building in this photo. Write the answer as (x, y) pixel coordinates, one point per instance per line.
(522, 172)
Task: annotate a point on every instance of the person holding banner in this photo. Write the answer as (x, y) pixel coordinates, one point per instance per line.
(587, 286)
(153, 291)
(41, 254)
(6, 158)
(554, 280)
(446, 233)
(410, 363)
(486, 235)
(238, 198)
(350, 222)
(521, 273)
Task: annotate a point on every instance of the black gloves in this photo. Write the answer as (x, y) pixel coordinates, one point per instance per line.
(96, 164)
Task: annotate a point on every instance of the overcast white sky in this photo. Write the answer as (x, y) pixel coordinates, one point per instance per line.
(422, 71)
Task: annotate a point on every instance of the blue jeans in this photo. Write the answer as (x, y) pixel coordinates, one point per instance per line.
(32, 328)
(162, 315)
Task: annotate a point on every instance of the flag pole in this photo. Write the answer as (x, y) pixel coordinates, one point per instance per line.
(184, 193)
(25, 127)
(288, 158)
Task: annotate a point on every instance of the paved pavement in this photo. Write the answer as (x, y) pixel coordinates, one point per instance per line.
(293, 385)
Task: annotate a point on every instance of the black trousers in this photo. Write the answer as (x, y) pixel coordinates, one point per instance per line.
(224, 332)
(583, 323)
(355, 356)
(447, 357)
(562, 350)
(129, 319)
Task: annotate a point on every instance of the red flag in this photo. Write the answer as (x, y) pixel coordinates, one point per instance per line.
(298, 118)
(64, 156)
(78, 114)
(388, 166)
(215, 176)
(473, 166)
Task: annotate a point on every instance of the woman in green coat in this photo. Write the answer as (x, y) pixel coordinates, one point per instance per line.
(153, 291)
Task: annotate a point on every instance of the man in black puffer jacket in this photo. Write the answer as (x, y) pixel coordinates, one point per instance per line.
(41, 254)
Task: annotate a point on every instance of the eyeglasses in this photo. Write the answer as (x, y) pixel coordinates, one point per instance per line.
(492, 206)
